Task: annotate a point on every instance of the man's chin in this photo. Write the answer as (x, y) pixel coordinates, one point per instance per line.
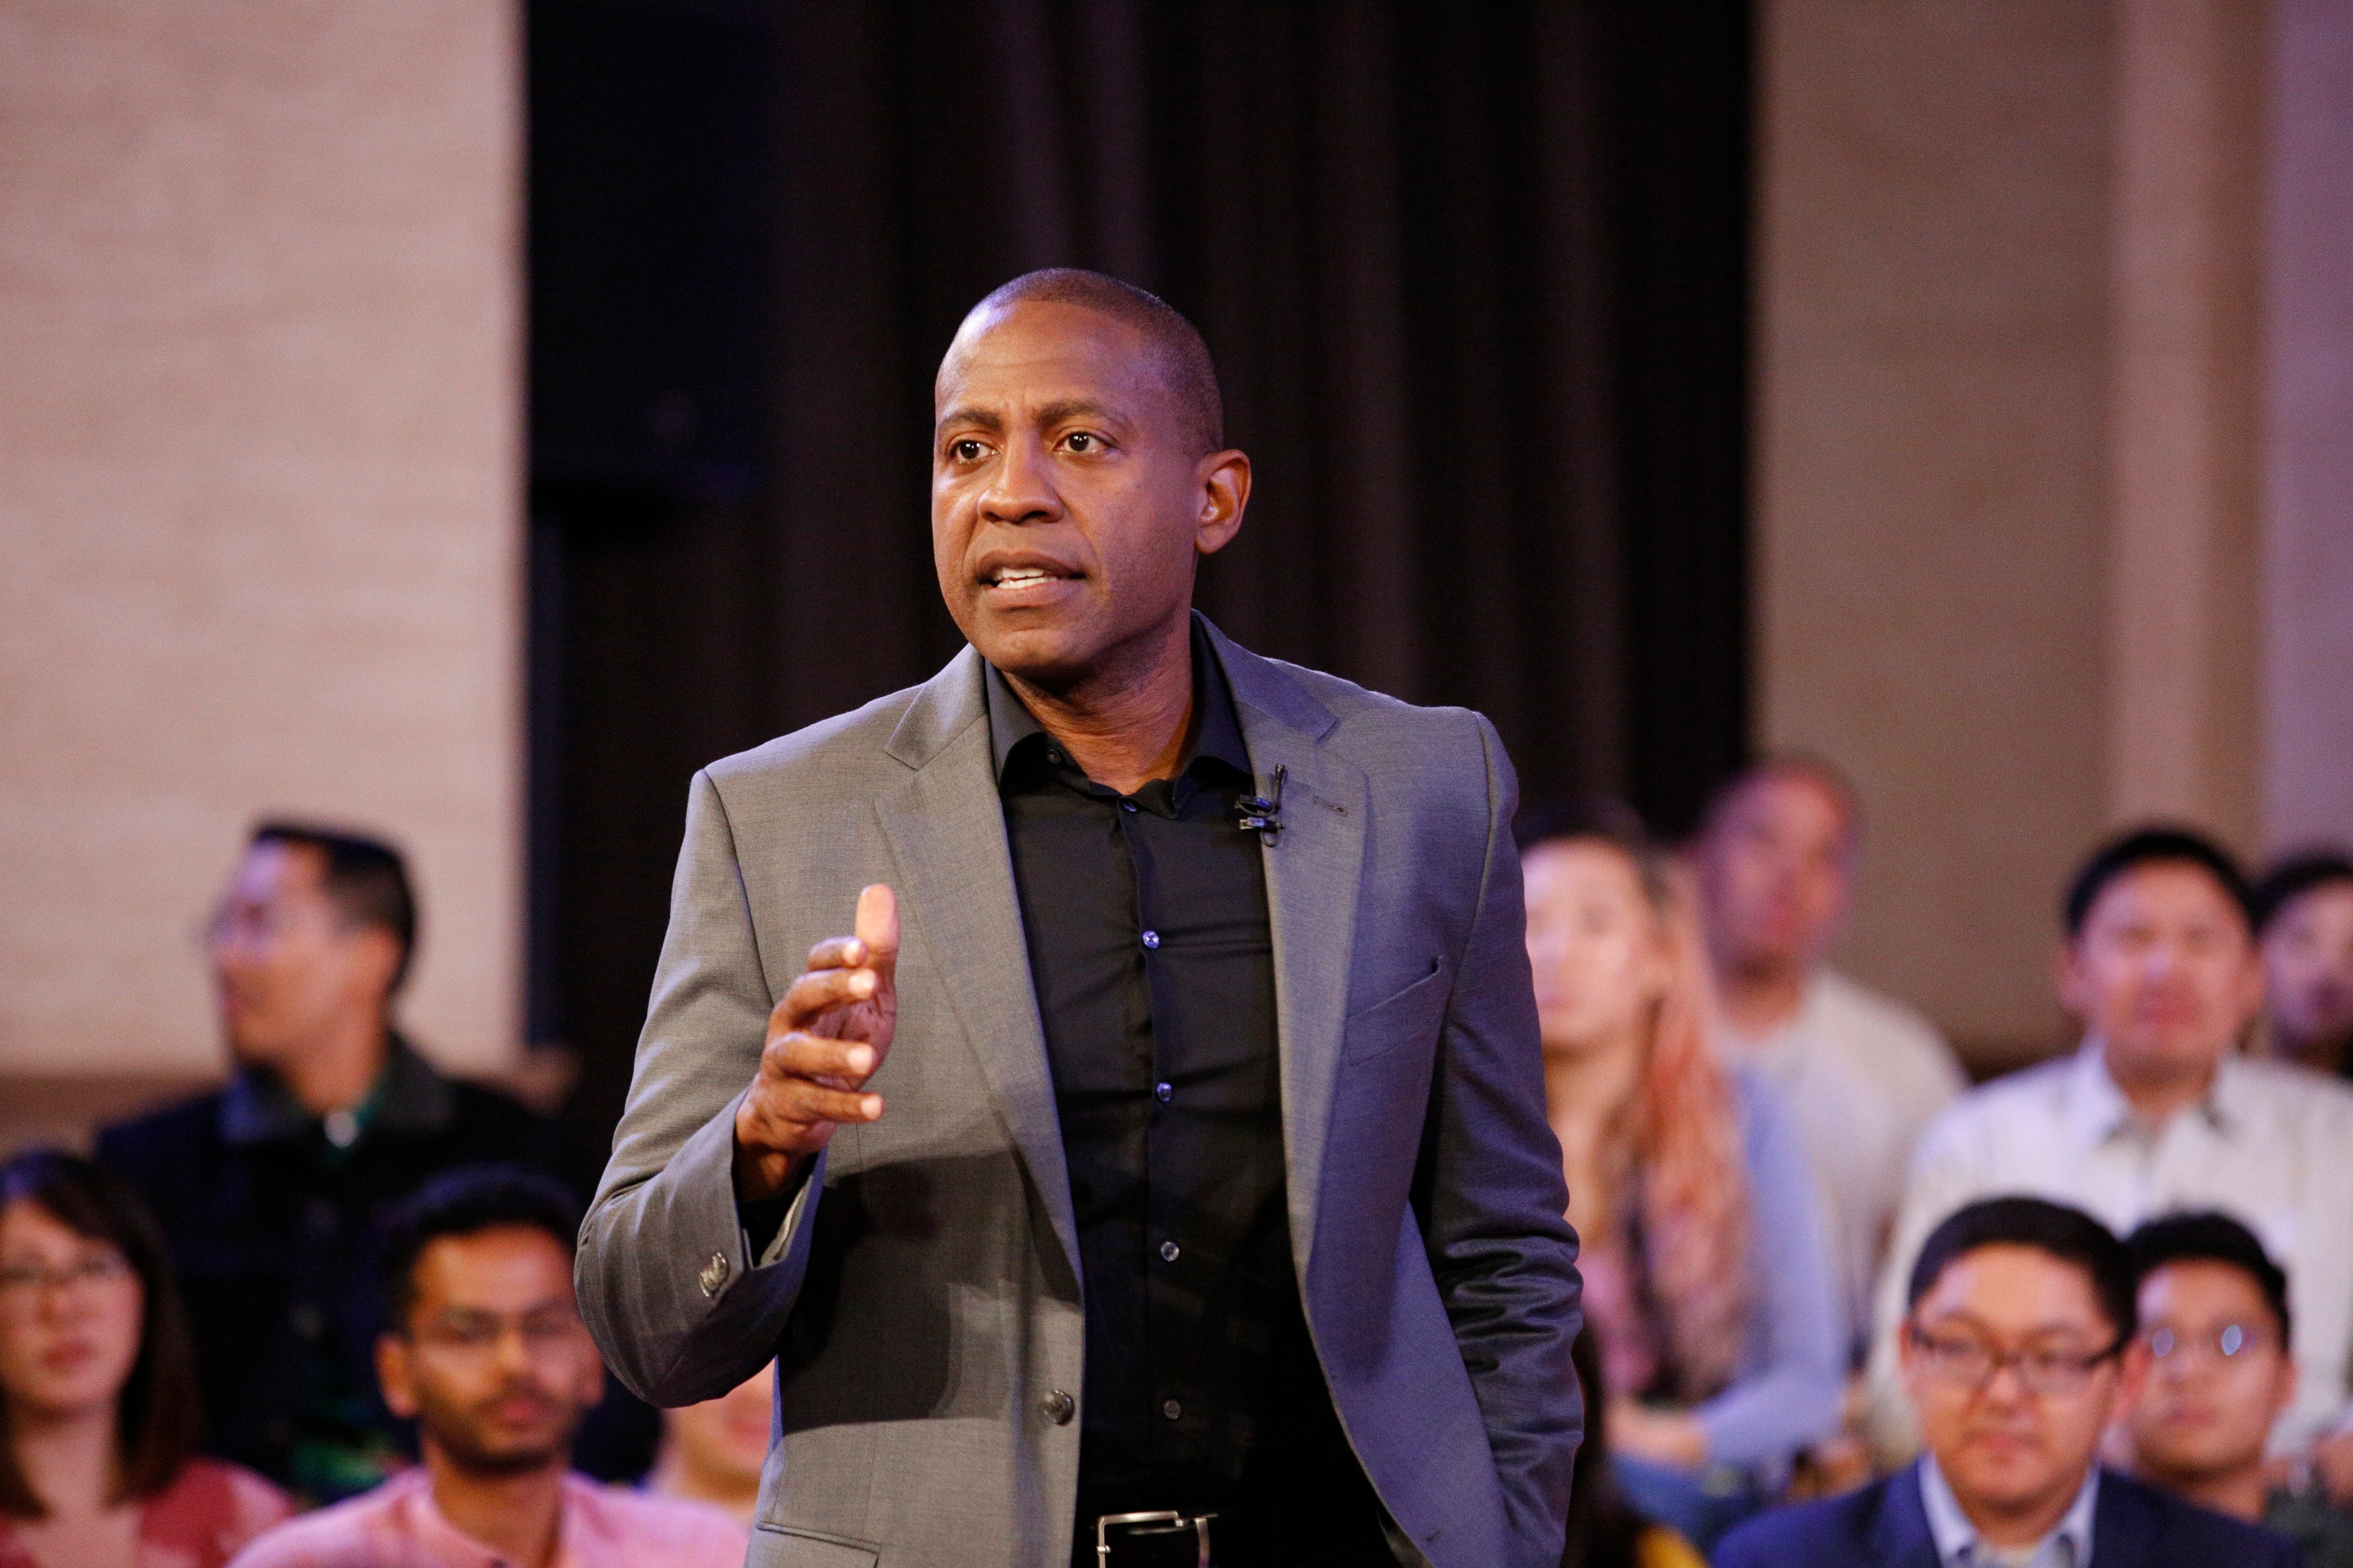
(495, 1458)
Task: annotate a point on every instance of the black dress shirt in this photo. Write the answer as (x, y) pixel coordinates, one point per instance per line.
(1153, 960)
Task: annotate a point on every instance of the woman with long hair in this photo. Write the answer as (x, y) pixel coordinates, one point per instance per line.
(1707, 1281)
(98, 1388)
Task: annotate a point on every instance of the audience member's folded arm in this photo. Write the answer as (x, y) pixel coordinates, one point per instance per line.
(1791, 1399)
(682, 1301)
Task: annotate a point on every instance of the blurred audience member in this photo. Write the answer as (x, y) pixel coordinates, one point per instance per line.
(97, 1398)
(487, 1353)
(1604, 1531)
(2158, 1111)
(267, 1191)
(2018, 1314)
(2304, 917)
(1707, 1282)
(2220, 1368)
(1863, 1073)
(712, 1452)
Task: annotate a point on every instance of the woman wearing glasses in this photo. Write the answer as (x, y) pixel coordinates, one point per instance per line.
(98, 1396)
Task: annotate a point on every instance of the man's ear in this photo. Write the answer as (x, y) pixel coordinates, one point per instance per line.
(1224, 481)
(2071, 984)
(395, 1374)
(375, 956)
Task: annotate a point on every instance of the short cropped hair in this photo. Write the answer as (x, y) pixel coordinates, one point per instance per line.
(2207, 1236)
(468, 1200)
(1596, 819)
(365, 878)
(1191, 374)
(157, 1416)
(2157, 846)
(2068, 1235)
(2295, 877)
(1815, 768)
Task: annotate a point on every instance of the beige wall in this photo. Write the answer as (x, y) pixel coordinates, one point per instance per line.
(1932, 468)
(2052, 532)
(259, 493)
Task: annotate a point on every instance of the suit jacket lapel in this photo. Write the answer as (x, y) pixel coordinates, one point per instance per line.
(1313, 868)
(1900, 1536)
(946, 829)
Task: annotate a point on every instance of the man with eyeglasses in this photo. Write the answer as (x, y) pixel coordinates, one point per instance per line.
(2215, 1335)
(487, 1353)
(2018, 1315)
(269, 1190)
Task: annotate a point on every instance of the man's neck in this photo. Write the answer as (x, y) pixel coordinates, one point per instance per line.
(335, 1072)
(2156, 1095)
(518, 1516)
(2008, 1529)
(2242, 1493)
(68, 1459)
(1761, 999)
(1126, 723)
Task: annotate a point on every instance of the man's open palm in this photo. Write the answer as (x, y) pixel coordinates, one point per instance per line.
(826, 1037)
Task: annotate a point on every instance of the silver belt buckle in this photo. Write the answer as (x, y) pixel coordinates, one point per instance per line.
(1175, 1521)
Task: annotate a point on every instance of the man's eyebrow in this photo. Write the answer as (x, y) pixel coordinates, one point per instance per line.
(1076, 408)
(971, 419)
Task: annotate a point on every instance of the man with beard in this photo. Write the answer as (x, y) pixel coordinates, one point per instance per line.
(488, 1355)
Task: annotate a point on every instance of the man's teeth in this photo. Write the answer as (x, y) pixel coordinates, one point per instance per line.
(1013, 574)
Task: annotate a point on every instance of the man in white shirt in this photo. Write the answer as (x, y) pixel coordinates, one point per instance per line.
(2158, 1111)
(1863, 1073)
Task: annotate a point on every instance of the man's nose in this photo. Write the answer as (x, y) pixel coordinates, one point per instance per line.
(1021, 489)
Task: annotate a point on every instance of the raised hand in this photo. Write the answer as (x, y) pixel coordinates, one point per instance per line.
(826, 1037)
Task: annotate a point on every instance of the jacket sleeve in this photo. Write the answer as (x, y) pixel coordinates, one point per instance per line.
(1790, 1397)
(682, 1302)
(1492, 1200)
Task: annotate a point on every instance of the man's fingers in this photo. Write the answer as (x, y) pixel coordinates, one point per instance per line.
(797, 1055)
(877, 926)
(789, 1107)
(837, 952)
(822, 990)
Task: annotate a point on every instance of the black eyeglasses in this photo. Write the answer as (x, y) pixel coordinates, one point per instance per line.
(1966, 1362)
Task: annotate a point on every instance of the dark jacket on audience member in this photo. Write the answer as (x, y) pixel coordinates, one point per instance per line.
(274, 1230)
(1886, 1525)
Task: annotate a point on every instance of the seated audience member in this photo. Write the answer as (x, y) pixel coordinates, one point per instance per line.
(2220, 1368)
(1707, 1283)
(1604, 1531)
(487, 1353)
(1863, 1074)
(2157, 1110)
(266, 1191)
(712, 1452)
(98, 1400)
(2303, 917)
(2017, 1318)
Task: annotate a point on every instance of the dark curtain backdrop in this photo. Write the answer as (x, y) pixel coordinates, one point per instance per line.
(1474, 277)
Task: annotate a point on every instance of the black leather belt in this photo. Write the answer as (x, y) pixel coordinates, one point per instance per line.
(1160, 1539)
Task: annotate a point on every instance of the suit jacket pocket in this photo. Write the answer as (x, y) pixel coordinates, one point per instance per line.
(1406, 1015)
(774, 1546)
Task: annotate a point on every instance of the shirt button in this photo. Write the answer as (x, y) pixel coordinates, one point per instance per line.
(1127, 805)
(1152, 939)
(1164, 1091)
(1058, 1406)
(1171, 1409)
(1168, 1250)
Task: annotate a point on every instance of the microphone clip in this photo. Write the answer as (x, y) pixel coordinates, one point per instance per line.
(1259, 813)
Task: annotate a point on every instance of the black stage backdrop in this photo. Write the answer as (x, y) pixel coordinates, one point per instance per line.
(1476, 277)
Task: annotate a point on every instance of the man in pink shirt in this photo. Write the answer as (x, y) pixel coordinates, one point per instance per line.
(488, 1356)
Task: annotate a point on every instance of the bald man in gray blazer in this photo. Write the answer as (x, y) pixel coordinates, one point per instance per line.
(857, 1153)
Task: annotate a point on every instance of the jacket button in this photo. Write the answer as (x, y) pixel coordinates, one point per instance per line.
(1059, 1407)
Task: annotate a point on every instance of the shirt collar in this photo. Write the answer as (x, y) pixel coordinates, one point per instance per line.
(1218, 735)
(2096, 1109)
(2067, 1546)
(407, 1096)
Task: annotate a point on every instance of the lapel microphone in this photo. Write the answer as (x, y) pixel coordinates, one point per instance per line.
(1256, 814)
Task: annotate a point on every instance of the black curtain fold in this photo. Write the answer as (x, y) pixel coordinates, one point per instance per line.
(1475, 280)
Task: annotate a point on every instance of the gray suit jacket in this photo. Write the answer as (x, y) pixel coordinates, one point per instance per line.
(923, 1297)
